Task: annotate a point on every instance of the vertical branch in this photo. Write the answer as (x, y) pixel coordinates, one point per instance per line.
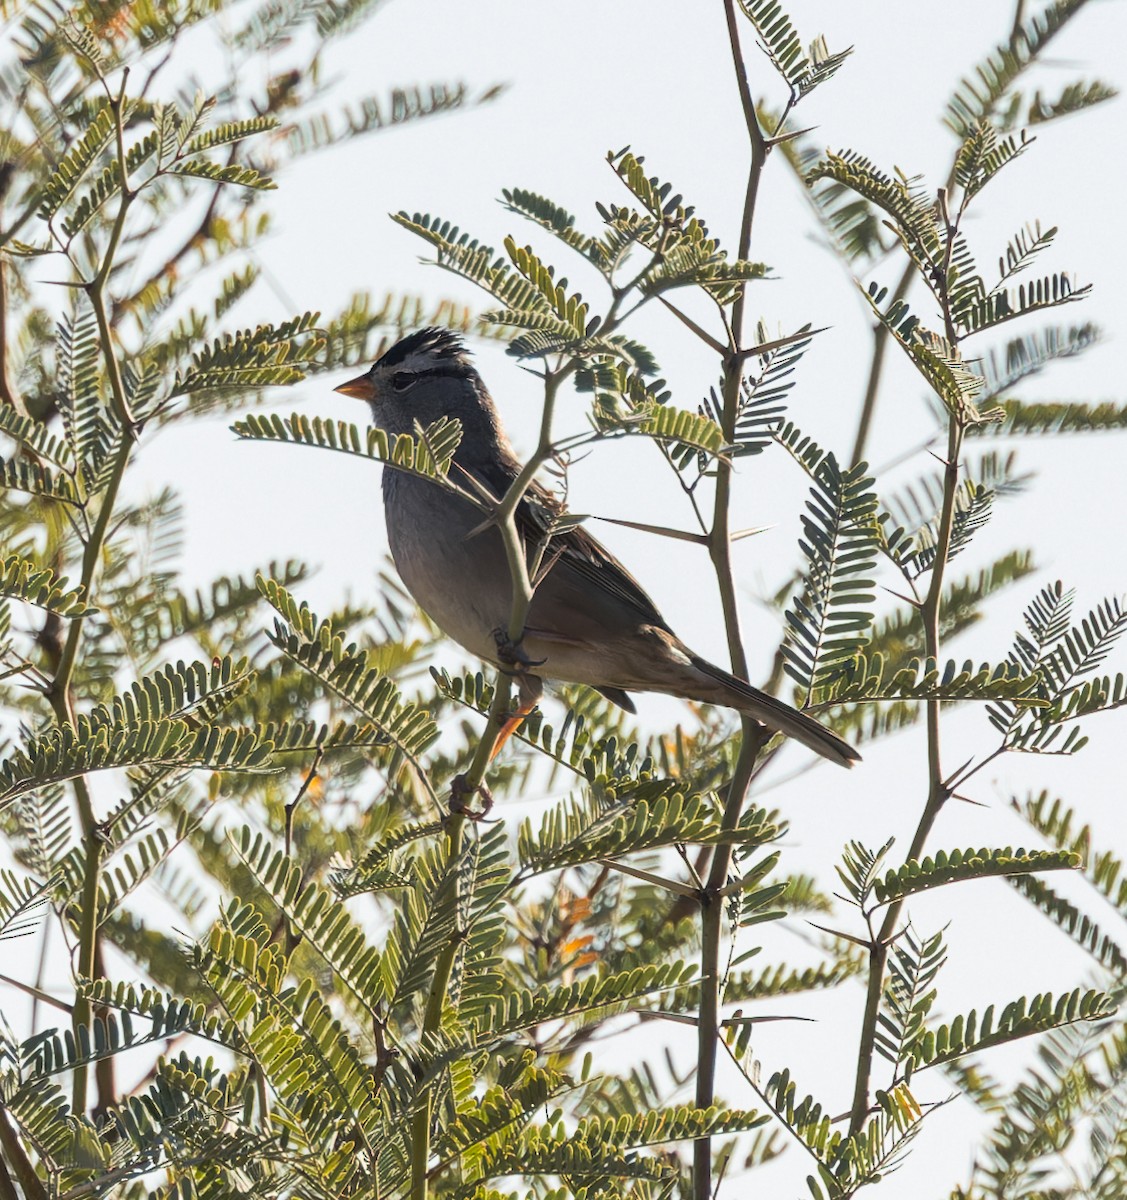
(938, 789)
(753, 734)
(436, 997)
(882, 335)
(61, 693)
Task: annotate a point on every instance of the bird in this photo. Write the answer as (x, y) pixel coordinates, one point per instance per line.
(589, 620)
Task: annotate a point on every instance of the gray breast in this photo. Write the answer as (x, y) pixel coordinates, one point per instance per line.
(462, 583)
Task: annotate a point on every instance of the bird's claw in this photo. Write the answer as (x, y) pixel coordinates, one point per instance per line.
(460, 792)
(512, 653)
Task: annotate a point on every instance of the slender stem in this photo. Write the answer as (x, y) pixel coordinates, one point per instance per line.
(937, 794)
(432, 1017)
(60, 693)
(882, 335)
(16, 1156)
(753, 734)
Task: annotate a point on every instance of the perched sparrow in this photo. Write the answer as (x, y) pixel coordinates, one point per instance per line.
(590, 621)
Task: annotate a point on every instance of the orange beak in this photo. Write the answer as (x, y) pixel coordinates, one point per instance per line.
(359, 388)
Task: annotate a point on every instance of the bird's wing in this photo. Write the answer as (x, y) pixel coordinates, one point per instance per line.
(573, 551)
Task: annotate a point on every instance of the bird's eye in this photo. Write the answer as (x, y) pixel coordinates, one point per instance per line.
(402, 380)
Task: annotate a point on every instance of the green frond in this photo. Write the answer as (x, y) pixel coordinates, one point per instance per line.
(952, 380)
(1054, 417)
(228, 133)
(957, 865)
(348, 671)
(35, 436)
(268, 355)
(831, 612)
(983, 154)
(877, 1150)
(1062, 656)
(1007, 304)
(571, 311)
(597, 1149)
(558, 221)
(918, 507)
(979, 97)
(865, 677)
(428, 453)
(479, 264)
(657, 198)
(807, 1119)
(233, 287)
(1020, 1018)
(767, 380)
(169, 1015)
(21, 903)
(781, 980)
(173, 691)
(1073, 98)
(1054, 821)
(913, 212)
(1025, 356)
(235, 173)
(588, 831)
(311, 912)
(859, 869)
(802, 70)
(1076, 923)
(373, 114)
(89, 428)
(180, 613)
(685, 431)
(70, 750)
(853, 225)
(500, 1016)
(908, 993)
(804, 450)
(307, 1055)
(22, 579)
(73, 167)
(106, 185)
(379, 870)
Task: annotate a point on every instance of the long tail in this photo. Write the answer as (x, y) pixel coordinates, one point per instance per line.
(734, 693)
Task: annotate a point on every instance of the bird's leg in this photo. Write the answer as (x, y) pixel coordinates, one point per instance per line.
(529, 690)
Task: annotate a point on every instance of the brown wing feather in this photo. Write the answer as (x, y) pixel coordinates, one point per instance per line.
(578, 552)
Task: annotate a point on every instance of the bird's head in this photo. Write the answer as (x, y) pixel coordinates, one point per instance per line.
(425, 376)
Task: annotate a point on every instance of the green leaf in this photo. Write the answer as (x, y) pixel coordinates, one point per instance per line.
(22, 579)
(802, 71)
(348, 671)
(831, 612)
(957, 865)
(234, 173)
(70, 750)
(267, 355)
(980, 96)
(1073, 98)
(587, 832)
(72, 168)
(1020, 1018)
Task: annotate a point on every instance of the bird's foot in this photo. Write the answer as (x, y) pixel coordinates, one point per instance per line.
(461, 790)
(512, 653)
